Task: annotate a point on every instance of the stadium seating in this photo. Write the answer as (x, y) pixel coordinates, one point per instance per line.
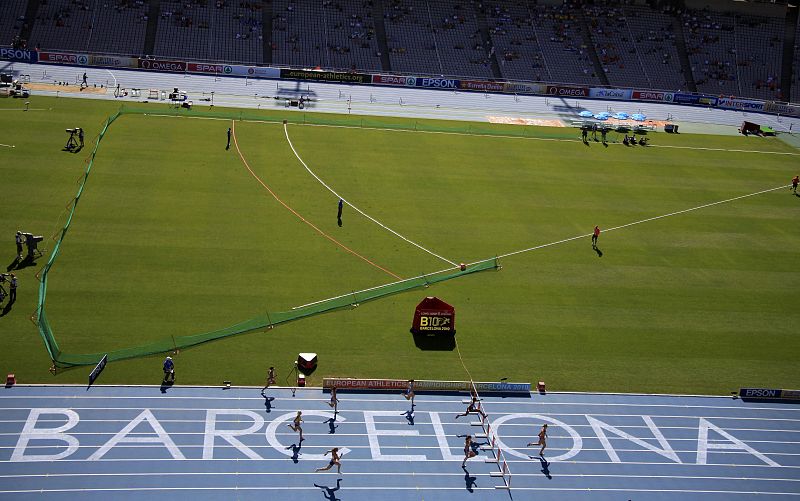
(654, 39)
(711, 44)
(412, 46)
(796, 66)
(458, 40)
(636, 44)
(119, 27)
(516, 41)
(64, 25)
(12, 19)
(350, 35)
(561, 40)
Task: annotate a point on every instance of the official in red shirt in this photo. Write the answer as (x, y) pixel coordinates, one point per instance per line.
(795, 180)
(594, 237)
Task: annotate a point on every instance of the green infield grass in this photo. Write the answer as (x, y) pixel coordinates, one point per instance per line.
(175, 236)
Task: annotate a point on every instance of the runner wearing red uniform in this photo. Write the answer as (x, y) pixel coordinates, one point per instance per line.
(594, 237)
(795, 180)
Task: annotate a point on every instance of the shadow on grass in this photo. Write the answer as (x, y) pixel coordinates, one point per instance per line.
(444, 342)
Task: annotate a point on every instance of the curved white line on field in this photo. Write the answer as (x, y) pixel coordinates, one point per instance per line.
(286, 132)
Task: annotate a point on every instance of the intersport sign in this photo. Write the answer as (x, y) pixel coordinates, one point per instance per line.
(740, 104)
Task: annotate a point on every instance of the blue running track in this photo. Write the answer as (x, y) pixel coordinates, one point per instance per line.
(64, 442)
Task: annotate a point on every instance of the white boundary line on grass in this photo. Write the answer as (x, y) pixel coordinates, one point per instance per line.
(645, 220)
(286, 132)
(8, 145)
(474, 134)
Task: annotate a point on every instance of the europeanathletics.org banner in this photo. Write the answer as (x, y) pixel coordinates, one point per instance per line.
(325, 76)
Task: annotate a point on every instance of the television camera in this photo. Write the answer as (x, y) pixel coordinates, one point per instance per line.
(32, 243)
(74, 144)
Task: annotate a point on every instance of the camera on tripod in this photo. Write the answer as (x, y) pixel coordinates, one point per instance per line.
(32, 242)
(74, 144)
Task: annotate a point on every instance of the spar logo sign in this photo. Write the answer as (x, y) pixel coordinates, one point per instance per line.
(63, 58)
(555, 90)
(394, 80)
(155, 65)
(438, 83)
(208, 68)
(647, 95)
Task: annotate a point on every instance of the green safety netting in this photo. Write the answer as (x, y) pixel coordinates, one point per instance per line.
(262, 321)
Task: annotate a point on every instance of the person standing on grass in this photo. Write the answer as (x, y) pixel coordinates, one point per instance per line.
(169, 370)
(298, 419)
(339, 213)
(409, 393)
(795, 181)
(228, 146)
(334, 401)
(335, 460)
(542, 440)
(12, 292)
(18, 239)
(468, 452)
(595, 234)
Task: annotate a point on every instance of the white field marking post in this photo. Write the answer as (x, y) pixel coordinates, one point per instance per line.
(286, 132)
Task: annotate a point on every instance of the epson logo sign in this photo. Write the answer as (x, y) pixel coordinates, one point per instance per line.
(439, 83)
(761, 393)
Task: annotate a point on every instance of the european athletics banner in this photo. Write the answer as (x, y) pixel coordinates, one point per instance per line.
(325, 76)
(423, 385)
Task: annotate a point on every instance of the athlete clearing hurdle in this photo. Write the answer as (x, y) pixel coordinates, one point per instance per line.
(468, 452)
(542, 440)
(270, 378)
(296, 426)
(334, 401)
(473, 408)
(409, 393)
(335, 460)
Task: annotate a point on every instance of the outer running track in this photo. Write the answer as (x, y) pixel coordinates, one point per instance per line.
(67, 442)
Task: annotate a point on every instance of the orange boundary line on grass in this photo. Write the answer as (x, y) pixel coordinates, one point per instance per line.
(351, 251)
